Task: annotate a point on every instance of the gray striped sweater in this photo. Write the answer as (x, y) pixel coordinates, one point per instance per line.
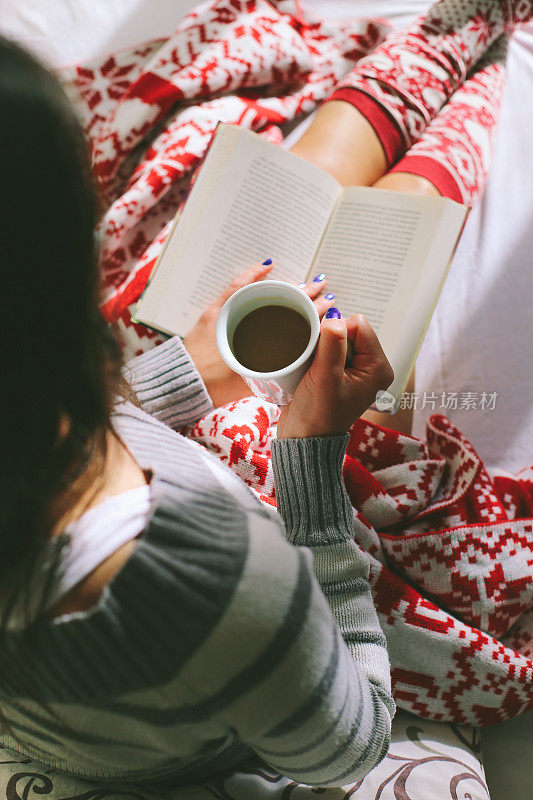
(231, 632)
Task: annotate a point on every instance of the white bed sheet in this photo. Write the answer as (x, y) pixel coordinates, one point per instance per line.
(481, 336)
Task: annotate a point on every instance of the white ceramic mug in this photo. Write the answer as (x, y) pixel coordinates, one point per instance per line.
(278, 386)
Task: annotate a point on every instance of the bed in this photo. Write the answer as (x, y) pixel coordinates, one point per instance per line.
(426, 761)
(480, 340)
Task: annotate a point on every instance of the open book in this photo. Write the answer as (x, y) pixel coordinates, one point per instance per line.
(385, 254)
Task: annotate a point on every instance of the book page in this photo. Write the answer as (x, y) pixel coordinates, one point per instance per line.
(385, 255)
(251, 200)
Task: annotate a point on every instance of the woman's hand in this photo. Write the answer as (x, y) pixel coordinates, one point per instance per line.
(221, 382)
(332, 395)
(224, 385)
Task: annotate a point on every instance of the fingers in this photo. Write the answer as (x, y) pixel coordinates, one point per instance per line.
(362, 335)
(255, 273)
(315, 287)
(330, 356)
(322, 305)
(368, 355)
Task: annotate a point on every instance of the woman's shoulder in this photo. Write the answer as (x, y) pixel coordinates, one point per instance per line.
(201, 530)
(203, 562)
(155, 612)
(195, 543)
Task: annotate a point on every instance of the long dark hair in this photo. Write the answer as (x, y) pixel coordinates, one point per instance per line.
(60, 362)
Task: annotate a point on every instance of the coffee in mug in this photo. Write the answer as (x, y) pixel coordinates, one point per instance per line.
(267, 333)
(270, 338)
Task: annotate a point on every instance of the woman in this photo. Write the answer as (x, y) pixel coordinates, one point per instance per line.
(182, 631)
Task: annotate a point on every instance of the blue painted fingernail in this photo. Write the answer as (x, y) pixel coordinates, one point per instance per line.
(330, 297)
(333, 313)
(319, 278)
(301, 285)
(267, 262)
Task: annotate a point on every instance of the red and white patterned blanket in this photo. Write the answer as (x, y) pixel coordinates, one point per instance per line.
(150, 114)
(451, 554)
(450, 548)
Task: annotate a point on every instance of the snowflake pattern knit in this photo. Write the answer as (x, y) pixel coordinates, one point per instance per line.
(455, 150)
(405, 82)
(450, 549)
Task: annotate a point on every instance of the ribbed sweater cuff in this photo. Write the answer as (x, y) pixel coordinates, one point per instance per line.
(310, 491)
(168, 384)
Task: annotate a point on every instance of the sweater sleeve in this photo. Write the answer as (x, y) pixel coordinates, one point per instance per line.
(352, 734)
(168, 385)
(302, 675)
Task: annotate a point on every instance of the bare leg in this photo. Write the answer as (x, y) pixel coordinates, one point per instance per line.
(407, 182)
(342, 142)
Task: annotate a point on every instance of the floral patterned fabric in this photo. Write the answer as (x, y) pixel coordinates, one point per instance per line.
(426, 761)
